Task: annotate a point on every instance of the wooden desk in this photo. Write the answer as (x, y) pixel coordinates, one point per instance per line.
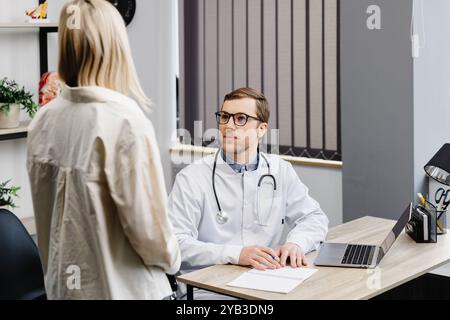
(404, 262)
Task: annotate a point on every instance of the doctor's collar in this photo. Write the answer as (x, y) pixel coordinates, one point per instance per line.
(239, 168)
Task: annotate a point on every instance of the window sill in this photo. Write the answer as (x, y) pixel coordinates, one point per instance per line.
(202, 151)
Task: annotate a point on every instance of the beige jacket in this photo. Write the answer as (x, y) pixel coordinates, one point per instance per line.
(99, 199)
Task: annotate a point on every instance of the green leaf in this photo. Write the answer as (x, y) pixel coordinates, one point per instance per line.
(7, 194)
(11, 93)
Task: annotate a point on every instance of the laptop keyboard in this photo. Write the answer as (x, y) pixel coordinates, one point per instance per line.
(358, 255)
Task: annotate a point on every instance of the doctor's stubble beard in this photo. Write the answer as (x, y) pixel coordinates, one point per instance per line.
(235, 149)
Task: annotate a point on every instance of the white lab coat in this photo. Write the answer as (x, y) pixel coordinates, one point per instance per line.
(204, 242)
(99, 199)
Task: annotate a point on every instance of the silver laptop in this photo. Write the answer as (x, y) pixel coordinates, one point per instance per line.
(360, 255)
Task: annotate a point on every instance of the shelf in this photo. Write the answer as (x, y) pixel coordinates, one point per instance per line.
(25, 25)
(17, 133)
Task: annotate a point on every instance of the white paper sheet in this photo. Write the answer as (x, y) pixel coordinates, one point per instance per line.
(282, 280)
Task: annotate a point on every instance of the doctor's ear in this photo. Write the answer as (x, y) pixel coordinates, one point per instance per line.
(262, 130)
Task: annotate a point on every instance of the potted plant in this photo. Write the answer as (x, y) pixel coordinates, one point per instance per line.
(12, 99)
(7, 194)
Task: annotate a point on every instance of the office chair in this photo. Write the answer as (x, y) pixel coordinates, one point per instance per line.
(174, 285)
(21, 276)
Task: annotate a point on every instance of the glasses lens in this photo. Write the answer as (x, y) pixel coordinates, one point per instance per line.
(223, 118)
(241, 119)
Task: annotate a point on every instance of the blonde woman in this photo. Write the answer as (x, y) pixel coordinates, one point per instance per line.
(95, 171)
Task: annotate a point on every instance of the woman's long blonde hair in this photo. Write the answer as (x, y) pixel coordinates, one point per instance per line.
(94, 49)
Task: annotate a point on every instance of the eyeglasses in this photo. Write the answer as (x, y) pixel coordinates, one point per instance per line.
(240, 119)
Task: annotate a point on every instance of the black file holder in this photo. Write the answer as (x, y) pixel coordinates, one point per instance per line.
(416, 228)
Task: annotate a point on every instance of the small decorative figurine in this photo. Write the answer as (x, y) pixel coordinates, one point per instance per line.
(38, 14)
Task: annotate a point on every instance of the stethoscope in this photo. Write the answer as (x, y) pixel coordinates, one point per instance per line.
(222, 217)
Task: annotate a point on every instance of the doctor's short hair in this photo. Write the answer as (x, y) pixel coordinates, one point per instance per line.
(262, 105)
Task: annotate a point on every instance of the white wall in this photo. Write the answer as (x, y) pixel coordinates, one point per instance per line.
(431, 85)
(12, 166)
(153, 39)
(431, 89)
(325, 185)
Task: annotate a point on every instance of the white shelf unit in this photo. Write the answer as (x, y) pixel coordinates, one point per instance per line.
(16, 133)
(23, 25)
(44, 29)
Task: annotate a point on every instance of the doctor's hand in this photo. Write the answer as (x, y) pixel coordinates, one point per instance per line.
(260, 258)
(294, 253)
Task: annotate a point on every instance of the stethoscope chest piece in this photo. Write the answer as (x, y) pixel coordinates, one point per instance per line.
(222, 217)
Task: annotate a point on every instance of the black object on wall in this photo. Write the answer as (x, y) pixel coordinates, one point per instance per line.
(127, 9)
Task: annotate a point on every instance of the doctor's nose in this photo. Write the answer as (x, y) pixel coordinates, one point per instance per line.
(230, 124)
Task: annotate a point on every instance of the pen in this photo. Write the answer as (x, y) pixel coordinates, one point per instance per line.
(422, 200)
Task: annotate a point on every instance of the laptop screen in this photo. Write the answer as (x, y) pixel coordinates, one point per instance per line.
(397, 230)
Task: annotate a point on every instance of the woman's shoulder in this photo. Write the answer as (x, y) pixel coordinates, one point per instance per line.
(129, 124)
(45, 113)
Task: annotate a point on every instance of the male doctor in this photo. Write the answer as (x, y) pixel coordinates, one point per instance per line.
(236, 206)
